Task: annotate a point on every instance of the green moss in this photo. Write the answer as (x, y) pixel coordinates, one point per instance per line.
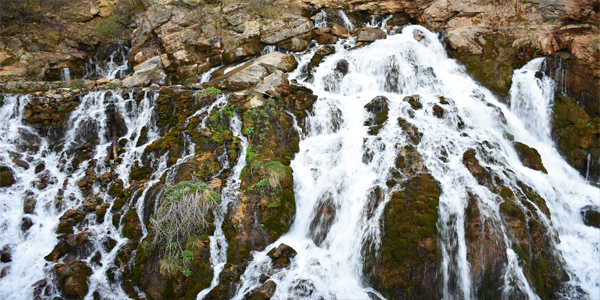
(131, 226)
(410, 237)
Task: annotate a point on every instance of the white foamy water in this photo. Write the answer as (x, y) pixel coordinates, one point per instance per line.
(330, 169)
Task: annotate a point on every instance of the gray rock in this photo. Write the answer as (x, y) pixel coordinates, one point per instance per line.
(159, 15)
(270, 83)
(371, 35)
(143, 73)
(295, 28)
(209, 30)
(251, 74)
(151, 63)
(247, 77)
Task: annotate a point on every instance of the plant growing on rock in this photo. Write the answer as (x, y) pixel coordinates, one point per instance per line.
(184, 213)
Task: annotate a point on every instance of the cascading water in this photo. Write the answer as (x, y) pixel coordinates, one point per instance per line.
(65, 74)
(320, 19)
(331, 170)
(347, 23)
(218, 242)
(87, 122)
(114, 67)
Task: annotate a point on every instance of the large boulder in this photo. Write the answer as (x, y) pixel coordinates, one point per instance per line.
(270, 83)
(144, 72)
(251, 74)
(281, 255)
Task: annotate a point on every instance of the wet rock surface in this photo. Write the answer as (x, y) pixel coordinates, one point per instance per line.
(281, 255)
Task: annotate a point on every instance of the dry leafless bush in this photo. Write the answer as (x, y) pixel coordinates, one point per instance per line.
(185, 213)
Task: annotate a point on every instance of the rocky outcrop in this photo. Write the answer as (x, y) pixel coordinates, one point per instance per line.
(370, 35)
(251, 74)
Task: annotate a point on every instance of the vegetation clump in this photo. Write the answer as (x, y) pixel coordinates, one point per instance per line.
(184, 214)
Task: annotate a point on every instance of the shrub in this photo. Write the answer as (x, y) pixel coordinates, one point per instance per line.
(184, 213)
(27, 11)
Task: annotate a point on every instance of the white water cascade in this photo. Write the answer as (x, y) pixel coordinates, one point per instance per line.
(87, 122)
(330, 168)
(115, 66)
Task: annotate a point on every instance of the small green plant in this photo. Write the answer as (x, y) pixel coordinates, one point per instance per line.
(182, 67)
(111, 85)
(210, 91)
(146, 248)
(60, 108)
(265, 22)
(249, 131)
(45, 88)
(187, 257)
(77, 86)
(262, 183)
(249, 154)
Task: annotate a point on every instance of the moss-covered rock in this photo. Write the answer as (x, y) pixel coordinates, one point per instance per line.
(7, 177)
(131, 226)
(533, 241)
(73, 278)
(378, 109)
(591, 215)
(530, 157)
(410, 257)
(493, 68)
(577, 136)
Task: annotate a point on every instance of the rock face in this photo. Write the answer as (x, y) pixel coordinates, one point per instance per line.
(577, 136)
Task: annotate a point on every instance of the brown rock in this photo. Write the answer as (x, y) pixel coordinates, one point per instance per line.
(282, 255)
(7, 177)
(264, 292)
(529, 157)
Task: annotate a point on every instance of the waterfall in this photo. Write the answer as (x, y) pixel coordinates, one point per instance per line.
(65, 74)
(320, 19)
(114, 67)
(565, 191)
(339, 163)
(347, 23)
(87, 123)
